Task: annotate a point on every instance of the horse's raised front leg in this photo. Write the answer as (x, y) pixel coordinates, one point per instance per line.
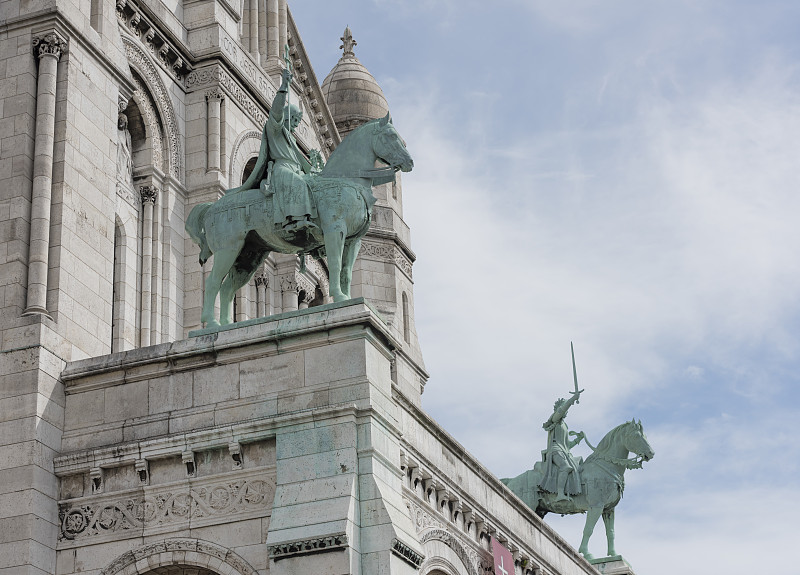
(349, 254)
(608, 519)
(592, 515)
(223, 260)
(334, 246)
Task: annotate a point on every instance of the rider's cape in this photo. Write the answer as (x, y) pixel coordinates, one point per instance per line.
(549, 480)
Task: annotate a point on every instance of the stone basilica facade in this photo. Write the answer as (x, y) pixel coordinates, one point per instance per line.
(293, 441)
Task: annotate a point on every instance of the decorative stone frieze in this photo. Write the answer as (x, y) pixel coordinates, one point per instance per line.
(216, 74)
(89, 517)
(407, 553)
(386, 252)
(313, 545)
(50, 44)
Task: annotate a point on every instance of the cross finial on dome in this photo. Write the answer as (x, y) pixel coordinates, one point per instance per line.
(348, 42)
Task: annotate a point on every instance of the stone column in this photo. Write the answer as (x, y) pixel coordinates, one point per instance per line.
(262, 32)
(48, 48)
(254, 28)
(308, 292)
(283, 26)
(262, 282)
(289, 294)
(149, 195)
(214, 130)
(273, 36)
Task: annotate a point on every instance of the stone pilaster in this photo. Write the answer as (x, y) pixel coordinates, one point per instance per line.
(273, 35)
(48, 48)
(214, 145)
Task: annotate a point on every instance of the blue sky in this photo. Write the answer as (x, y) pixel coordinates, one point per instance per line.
(626, 174)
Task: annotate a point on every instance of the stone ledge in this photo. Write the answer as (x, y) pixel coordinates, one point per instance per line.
(202, 349)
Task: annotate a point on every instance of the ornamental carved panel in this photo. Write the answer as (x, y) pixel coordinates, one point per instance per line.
(94, 516)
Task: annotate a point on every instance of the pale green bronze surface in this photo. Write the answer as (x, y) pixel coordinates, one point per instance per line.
(285, 206)
(564, 484)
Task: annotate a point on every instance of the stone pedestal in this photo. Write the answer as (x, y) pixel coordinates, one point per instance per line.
(284, 423)
(615, 565)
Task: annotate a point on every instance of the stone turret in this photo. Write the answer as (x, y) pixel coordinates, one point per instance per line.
(352, 94)
(383, 271)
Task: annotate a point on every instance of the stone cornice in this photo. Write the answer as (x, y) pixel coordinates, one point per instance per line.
(170, 52)
(323, 123)
(209, 346)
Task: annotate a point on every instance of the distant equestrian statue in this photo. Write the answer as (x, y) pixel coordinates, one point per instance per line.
(562, 484)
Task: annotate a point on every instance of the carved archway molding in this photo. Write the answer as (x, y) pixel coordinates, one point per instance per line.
(247, 145)
(179, 551)
(467, 556)
(140, 61)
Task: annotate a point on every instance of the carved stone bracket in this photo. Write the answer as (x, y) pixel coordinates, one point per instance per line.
(314, 545)
(142, 27)
(49, 44)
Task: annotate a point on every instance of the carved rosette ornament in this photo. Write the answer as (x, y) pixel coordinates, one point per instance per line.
(50, 44)
(148, 194)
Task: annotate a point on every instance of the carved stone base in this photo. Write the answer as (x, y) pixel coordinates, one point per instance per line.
(614, 565)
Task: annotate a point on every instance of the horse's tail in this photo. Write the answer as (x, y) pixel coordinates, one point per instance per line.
(196, 230)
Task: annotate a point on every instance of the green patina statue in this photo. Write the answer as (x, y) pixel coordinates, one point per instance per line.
(293, 205)
(564, 484)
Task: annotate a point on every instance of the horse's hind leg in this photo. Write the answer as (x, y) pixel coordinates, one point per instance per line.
(592, 515)
(223, 260)
(334, 235)
(349, 254)
(608, 519)
(237, 278)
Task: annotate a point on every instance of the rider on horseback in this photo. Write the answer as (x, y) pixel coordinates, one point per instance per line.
(561, 475)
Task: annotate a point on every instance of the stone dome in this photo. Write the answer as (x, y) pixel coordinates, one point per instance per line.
(352, 94)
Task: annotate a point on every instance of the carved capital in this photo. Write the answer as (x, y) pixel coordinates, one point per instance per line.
(50, 44)
(289, 284)
(262, 280)
(148, 194)
(213, 95)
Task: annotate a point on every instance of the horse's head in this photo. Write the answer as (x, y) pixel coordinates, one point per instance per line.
(389, 147)
(636, 442)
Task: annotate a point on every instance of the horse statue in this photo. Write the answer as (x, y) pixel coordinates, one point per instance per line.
(602, 482)
(238, 229)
